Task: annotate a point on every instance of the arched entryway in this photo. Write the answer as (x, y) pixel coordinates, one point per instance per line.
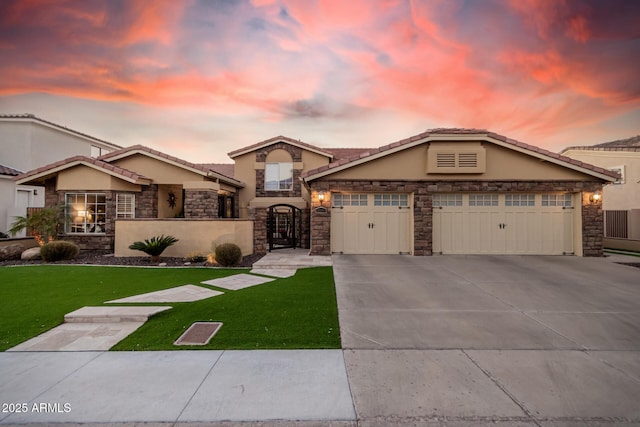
(284, 227)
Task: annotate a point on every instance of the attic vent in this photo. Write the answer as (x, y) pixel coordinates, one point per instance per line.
(456, 157)
(446, 160)
(468, 160)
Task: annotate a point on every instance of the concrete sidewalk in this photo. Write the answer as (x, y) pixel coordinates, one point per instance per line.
(175, 387)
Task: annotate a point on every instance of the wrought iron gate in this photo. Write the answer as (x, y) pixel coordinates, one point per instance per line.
(284, 227)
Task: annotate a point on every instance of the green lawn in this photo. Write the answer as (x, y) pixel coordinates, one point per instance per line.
(296, 312)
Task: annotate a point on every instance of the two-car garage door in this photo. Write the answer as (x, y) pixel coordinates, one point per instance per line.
(481, 223)
(525, 224)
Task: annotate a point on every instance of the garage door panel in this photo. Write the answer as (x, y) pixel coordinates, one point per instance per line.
(523, 227)
(372, 228)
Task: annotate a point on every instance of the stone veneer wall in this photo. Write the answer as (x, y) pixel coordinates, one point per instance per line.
(147, 202)
(592, 216)
(261, 157)
(259, 218)
(146, 207)
(202, 204)
(99, 241)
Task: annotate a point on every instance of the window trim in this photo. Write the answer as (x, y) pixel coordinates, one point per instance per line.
(133, 206)
(85, 225)
(279, 181)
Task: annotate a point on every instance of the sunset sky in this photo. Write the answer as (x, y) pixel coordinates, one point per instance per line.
(198, 79)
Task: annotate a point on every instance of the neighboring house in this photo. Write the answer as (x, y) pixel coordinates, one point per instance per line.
(451, 191)
(27, 142)
(621, 201)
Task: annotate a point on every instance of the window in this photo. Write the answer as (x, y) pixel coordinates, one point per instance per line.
(556, 200)
(483, 200)
(390, 200)
(278, 176)
(447, 200)
(520, 200)
(125, 206)
(87, 212)
(340, 199)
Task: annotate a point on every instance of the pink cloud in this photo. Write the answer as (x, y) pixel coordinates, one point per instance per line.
(526, 65)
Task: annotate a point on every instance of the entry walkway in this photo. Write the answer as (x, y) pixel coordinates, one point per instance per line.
(291, 259)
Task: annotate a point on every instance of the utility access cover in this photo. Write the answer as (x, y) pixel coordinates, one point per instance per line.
(199, 333)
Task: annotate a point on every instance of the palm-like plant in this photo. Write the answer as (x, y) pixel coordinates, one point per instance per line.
(154, 246)
(43, 224)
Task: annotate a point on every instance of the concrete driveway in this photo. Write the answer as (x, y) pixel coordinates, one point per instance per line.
(473, 339)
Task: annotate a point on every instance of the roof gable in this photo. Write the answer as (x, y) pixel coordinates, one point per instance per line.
(453, 135)
(284, 139)
(53, 168)
(201, 169)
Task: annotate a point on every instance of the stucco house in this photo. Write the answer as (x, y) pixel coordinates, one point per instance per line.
(450, 191)
(28, 142)
(111, 199)
(621, 201)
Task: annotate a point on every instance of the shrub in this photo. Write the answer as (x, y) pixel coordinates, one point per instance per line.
(228, 254)
(154, 246)
(196, 257)
(3, 235)
(59, 250)
(43, 224)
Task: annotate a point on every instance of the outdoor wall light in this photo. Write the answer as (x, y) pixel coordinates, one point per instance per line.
(595, 198)
(35, 192)
(321, 197)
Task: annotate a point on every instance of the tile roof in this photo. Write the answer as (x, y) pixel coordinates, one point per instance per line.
(628, 144)
(141, 148)
(274, 140)
(6, 170)
(226, 169)
(33, 117)
(75, 160)
(345, 153)
(204, 168)
(460, 131)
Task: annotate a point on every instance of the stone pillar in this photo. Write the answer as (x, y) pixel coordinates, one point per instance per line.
(592, 223)
(201, 199)
(259, 218)
(147, 202)
(320, 221)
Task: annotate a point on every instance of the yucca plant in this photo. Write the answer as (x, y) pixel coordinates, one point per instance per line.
(154, 246)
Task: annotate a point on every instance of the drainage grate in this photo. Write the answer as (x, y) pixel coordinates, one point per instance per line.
(200, 333)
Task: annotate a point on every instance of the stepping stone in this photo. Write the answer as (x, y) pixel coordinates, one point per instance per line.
(186, 293)
(275, 272)
(80, 337)
(112, 314)
(200, 333)
(238, 281)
